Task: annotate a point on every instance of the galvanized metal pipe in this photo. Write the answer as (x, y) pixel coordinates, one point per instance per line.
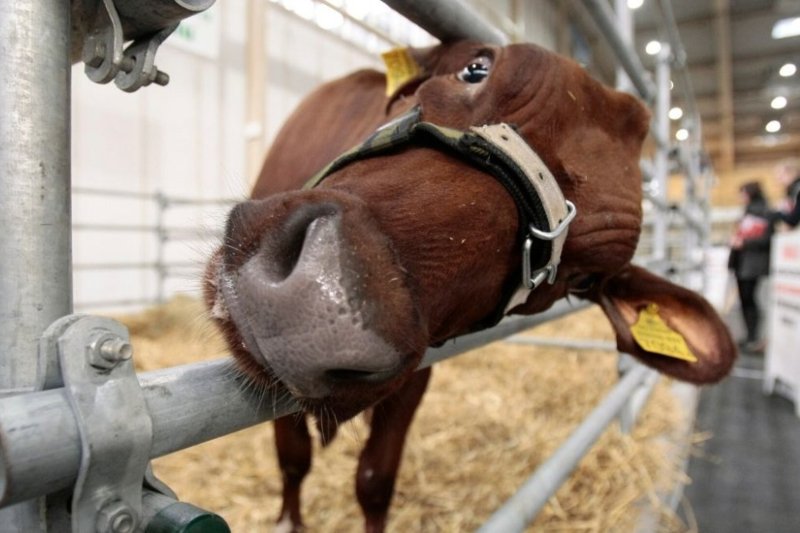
(522, 507)
(138, 17)
(575, 344)
(448, 20)
(190, 404)
(661, 157)
(502, 330)
(35, 249)
(605, 19)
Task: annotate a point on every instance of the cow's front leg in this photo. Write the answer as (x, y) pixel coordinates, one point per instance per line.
(380, 458)
(293, 444)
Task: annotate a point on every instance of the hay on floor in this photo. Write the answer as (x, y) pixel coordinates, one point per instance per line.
(488, 419)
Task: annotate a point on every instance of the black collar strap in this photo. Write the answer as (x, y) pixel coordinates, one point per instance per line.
(544, 213)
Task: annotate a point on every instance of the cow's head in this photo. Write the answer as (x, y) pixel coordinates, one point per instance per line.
(334, 293)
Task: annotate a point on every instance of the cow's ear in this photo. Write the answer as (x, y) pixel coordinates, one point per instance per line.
(668, 327)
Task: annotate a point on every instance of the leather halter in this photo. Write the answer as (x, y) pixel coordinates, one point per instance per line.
(544, 213)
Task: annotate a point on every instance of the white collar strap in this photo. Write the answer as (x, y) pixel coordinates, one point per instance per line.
(558, 210)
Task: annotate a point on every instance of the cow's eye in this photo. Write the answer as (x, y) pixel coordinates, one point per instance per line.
(476, 71)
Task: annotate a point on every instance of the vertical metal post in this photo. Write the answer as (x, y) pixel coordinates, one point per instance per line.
(35, 244)
(625, 26)
(161, 234)
(661, 158)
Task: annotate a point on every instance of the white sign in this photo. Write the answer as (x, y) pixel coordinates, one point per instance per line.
(783, 351)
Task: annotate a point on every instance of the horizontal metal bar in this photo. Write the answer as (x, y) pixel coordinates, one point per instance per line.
(177, 200)
(578, 344)
(114, 266)
(136, 266)
(523, 506)
(115, 303)
(448, 20)
(133, 195)
(155, 196)
(189, 404)
(502, 330)
(188, 234)
(115, 227)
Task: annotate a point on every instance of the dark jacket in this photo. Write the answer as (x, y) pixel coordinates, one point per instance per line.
(755, 229)
(792, 215)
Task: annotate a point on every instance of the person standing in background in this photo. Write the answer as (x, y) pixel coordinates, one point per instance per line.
(749, 258)
(788, 175)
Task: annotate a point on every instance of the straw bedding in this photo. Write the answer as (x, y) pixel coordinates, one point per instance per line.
(488, 419)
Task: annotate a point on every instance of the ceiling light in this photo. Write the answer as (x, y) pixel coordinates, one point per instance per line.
(675, 113)
(652, 48)
(682, 134)
(773, 126)
(787, 70)
(788, 27)
(779, 102)
(635, 4)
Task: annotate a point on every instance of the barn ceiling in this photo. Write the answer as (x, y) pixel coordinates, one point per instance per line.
(734, 65)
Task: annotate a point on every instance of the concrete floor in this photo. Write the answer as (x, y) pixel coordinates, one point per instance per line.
(747, 476)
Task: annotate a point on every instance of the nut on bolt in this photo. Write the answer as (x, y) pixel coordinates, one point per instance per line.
(108, 350)
(116, 517)
(94, 52)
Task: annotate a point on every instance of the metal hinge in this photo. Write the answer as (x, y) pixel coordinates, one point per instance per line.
(104, 57)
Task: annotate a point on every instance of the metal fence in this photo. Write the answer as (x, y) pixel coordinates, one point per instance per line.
(75, 443)
(161, 232)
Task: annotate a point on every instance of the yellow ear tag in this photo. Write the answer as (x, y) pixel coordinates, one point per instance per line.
(654, 335)
(400, 68)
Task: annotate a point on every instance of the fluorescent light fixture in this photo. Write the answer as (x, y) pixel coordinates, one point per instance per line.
(675, 113)
(779, 102)
(635, 4)
(773, 126)
(682, 134)
(788, 27)
(652, 48)
(788, 69)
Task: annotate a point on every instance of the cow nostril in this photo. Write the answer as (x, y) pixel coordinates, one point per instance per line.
(283, 249)
(352, 375)
(285, 253)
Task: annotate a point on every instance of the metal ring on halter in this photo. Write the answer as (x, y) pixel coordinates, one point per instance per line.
(562, 226)
(531, 280)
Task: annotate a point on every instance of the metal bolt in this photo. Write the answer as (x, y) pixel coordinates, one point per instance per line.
(127, 63)
(95, 52)
(116, 517)
(115, 350)
(162, 78)
(107, 350)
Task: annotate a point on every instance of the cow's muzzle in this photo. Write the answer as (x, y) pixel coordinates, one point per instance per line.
(298, 284)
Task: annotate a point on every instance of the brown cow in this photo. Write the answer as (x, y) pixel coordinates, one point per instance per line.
(332, 294)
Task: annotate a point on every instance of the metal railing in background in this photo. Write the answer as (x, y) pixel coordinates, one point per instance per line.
(162, 233)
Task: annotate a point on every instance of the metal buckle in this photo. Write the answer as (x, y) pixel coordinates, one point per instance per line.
(552, 235)
(531, 280)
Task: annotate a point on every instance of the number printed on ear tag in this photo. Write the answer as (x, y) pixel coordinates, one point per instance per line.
(654, 335)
